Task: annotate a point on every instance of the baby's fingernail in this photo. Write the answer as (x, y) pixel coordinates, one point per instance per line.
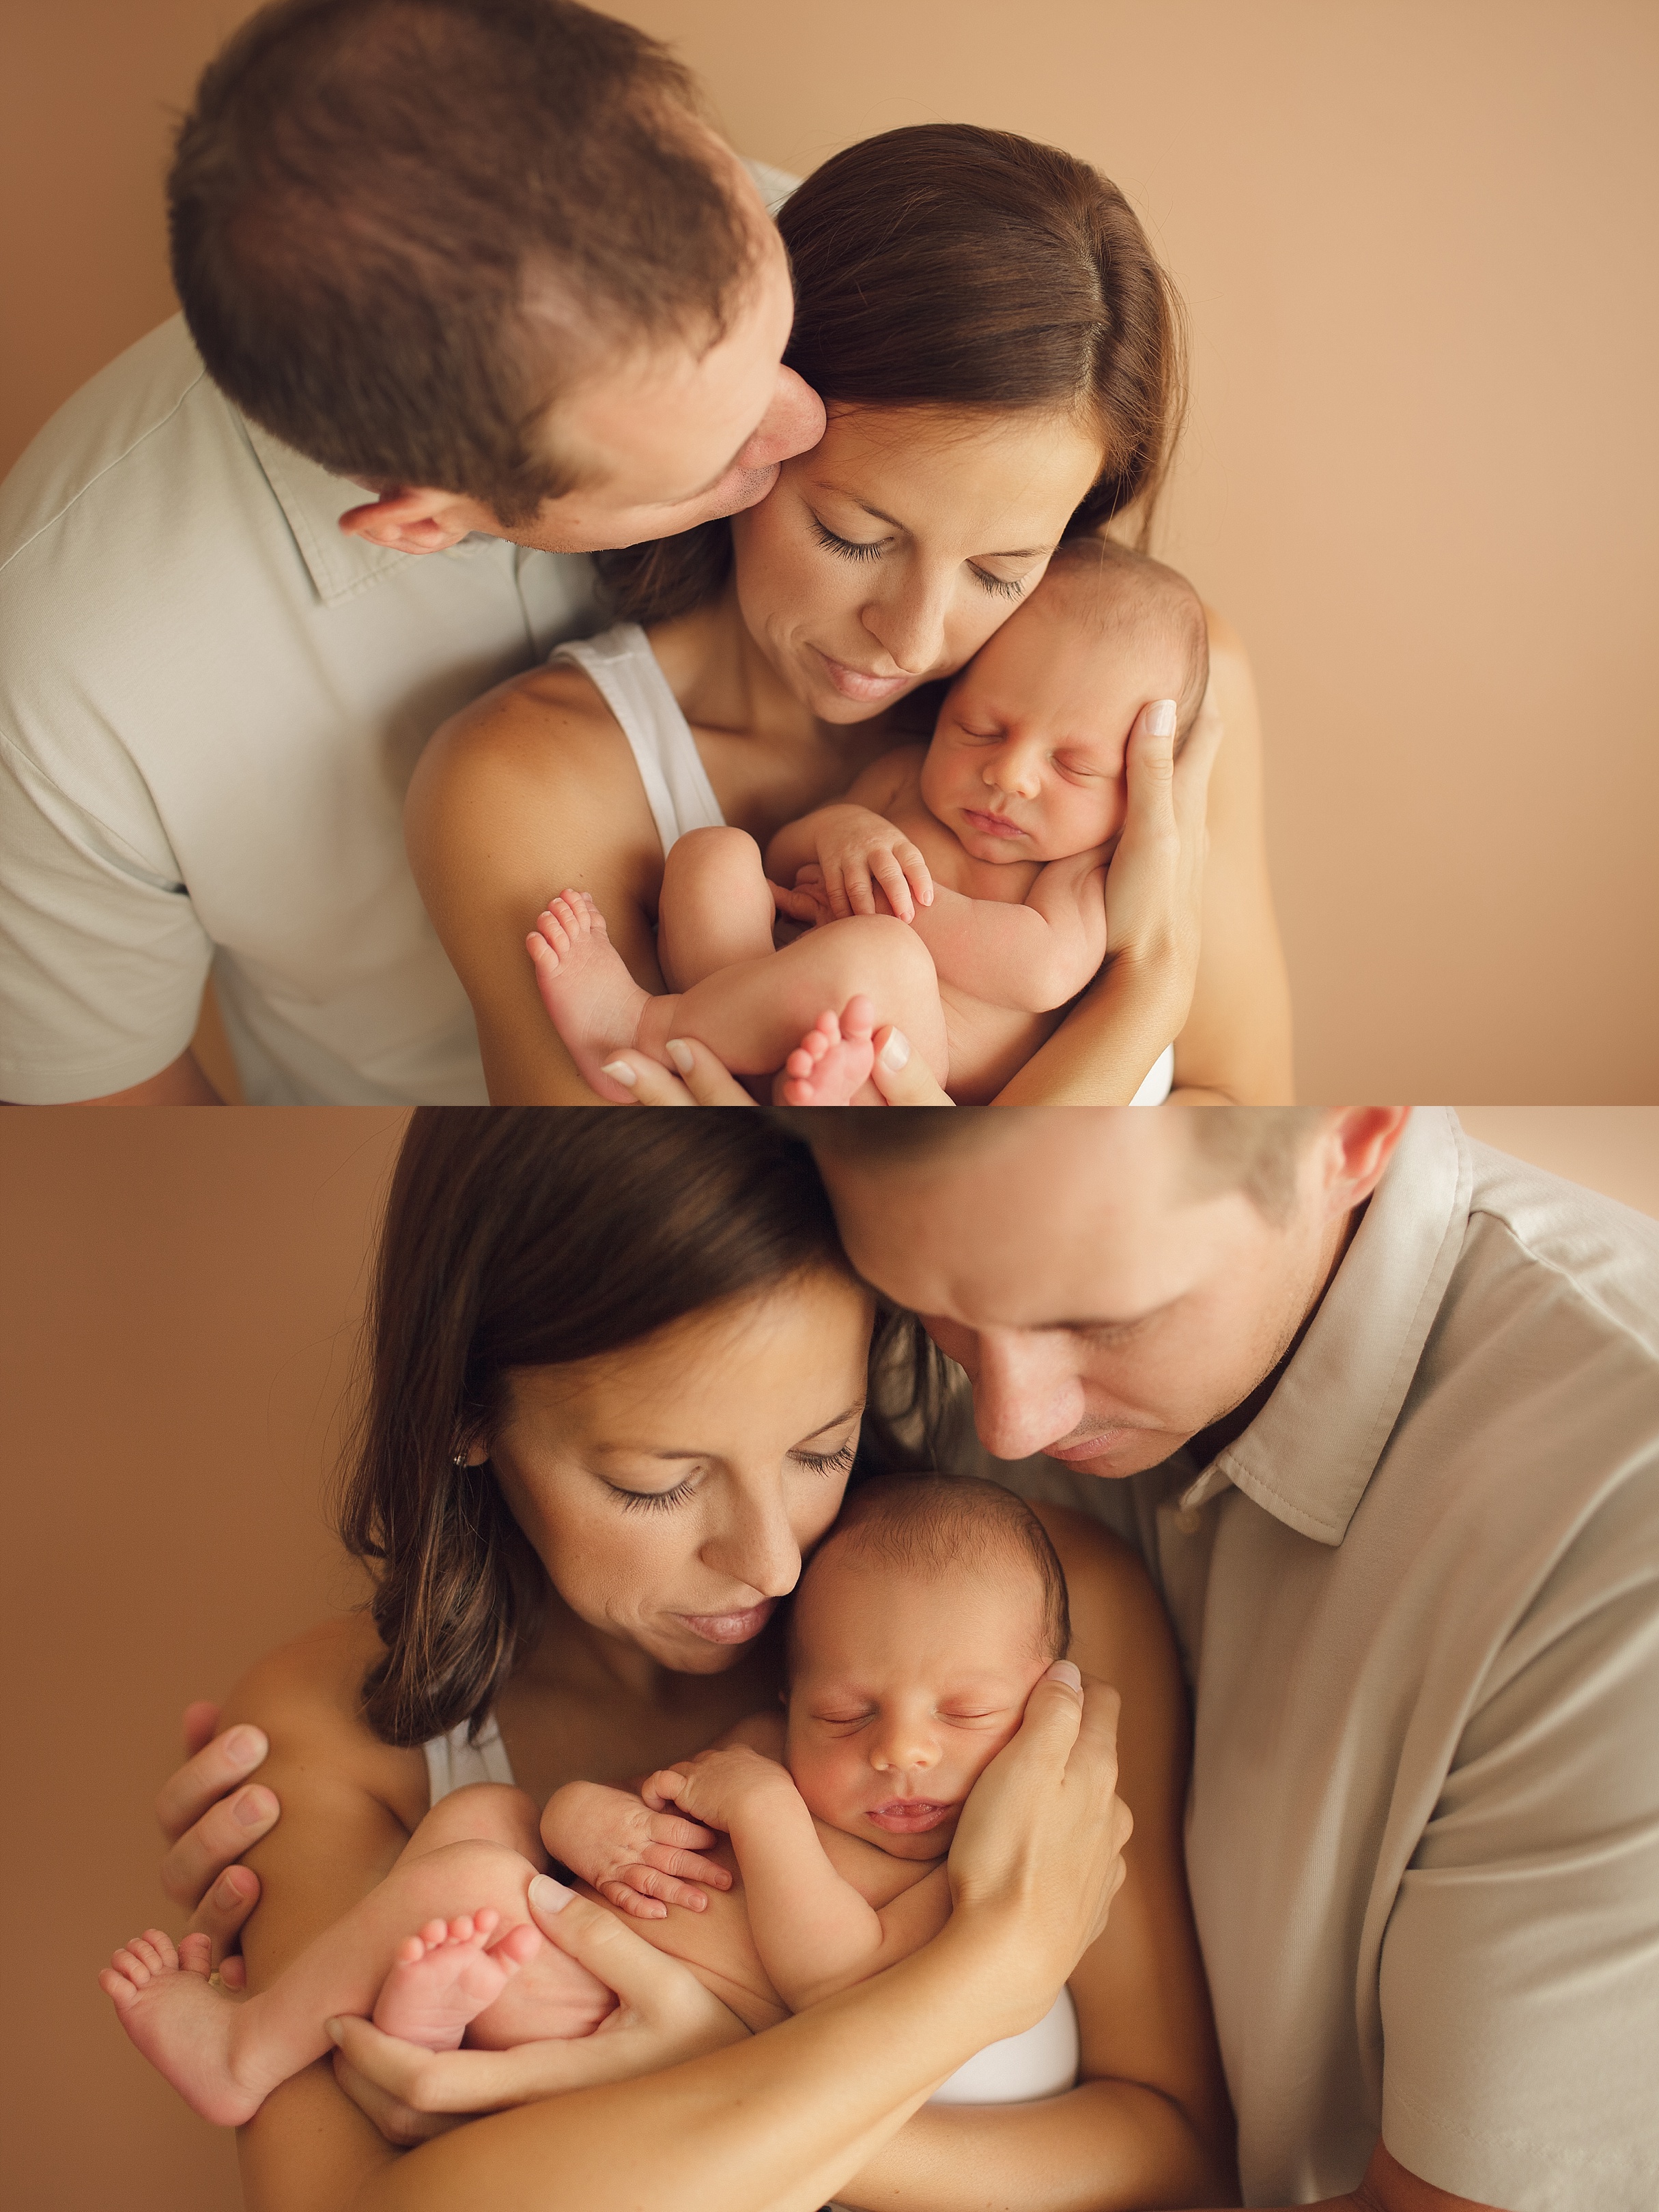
(253, 1808)
(246, 1746)
(681, 1054)
(548, 1895)
(1064, 1671)
(620, 1071)
(1161, 718)
(896, 1052)
(332, 2030)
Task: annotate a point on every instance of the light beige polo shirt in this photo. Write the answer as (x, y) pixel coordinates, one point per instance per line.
(210, 704)
(1419, 1600)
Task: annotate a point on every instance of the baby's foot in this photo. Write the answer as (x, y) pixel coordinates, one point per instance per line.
(833, 1061)
(445, 1978)
(585, 987)
(182, 2026)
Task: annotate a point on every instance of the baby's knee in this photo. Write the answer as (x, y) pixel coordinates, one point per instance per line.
(718, 856)
(877, 951)
(485, 1812)
(465, 1875)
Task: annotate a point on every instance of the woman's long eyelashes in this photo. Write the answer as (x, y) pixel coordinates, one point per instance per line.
(1002, 585)
(828, 1462)
(649, 1501)
(849, 548)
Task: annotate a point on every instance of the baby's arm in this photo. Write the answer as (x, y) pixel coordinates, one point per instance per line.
(1032, 958)
(814, 1933)
(856, 848)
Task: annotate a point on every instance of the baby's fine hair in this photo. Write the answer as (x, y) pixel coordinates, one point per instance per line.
(929, 1524)
(1115, 588)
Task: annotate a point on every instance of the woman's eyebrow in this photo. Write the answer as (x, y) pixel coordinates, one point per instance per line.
(834, 1422)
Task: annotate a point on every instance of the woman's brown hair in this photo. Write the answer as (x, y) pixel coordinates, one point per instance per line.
(944, 265)
(530, 1238)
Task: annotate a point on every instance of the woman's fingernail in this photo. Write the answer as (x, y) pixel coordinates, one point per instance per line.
(548, 1895)
(895, 1051)
(620, 1071)
(682, 1055)
(229, 1895)
(332, 2030)
(1064, 1671)
(253, 1808)
(246, 1746)
(1161, 718)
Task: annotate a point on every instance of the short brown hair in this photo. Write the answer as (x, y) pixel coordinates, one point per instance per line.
(494, 1214)
(945, 265)
(1254, 1149)
(930, 1525)
(366, 190)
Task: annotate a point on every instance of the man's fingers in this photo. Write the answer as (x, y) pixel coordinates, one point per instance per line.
(217, 1841)
(209, 1774)
(220, 1915)
(201, 1719)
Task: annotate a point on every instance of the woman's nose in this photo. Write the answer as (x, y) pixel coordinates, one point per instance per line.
(756, 1546)
(909, 625)
(1026, 1392)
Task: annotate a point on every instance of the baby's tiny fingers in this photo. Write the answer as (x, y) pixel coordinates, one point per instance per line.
(630, 1900)
(891, 877)
(916, 873)
(661, 1790)
(673, 1828)
(686, 1865)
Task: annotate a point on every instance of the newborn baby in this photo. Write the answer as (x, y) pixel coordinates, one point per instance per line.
(918, 1630)
(979, 862)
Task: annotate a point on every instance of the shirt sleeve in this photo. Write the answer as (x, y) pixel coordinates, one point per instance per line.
(1519, 1977)
(102, 956)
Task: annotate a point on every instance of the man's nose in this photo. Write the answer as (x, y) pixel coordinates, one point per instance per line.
(1026, 1394)
(792, 424)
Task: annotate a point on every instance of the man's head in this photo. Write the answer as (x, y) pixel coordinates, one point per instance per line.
(484, 258)
(1113, 1280)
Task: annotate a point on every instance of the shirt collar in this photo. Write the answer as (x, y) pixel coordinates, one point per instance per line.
(340, 565)
(1308, 1453)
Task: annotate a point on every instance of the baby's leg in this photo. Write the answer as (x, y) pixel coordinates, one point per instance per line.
(752, 1014)
(715, 907)
(224, 2055)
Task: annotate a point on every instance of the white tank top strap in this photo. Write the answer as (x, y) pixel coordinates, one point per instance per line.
(627, 677)
(1160, 1082)
(453, 1763)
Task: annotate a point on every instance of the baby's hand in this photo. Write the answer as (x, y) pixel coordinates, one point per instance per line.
(638, 1857)
(716, 1786)
(805, 901)
(859, 851)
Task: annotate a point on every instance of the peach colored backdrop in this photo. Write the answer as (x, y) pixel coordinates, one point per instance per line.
(1416, 242)
(178, 1317)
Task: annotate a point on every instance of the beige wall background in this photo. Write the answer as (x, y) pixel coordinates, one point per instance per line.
(177, 1319)
(1416, 241)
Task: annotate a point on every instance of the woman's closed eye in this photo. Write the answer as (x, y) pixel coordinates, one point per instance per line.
(649, 1500)
(850, 549)
(835, 1462)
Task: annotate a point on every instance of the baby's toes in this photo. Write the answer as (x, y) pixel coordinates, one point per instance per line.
(518, 1946)
(196, 1954)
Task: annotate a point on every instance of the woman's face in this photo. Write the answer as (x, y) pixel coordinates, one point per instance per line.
(890, 553)
(671, 1488)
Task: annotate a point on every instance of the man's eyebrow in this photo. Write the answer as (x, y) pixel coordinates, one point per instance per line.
(1017, 553)
(1103, 1320)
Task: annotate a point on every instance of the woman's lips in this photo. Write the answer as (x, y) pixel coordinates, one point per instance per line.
(854, 683)
(730, 1627)
(910, 1816)
(992, 825)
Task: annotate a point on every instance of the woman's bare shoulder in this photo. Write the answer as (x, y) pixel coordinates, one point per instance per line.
(308, 1698)
(546, 731)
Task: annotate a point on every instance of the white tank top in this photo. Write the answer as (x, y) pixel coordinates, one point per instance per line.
(1039, 2063)
(629, 677)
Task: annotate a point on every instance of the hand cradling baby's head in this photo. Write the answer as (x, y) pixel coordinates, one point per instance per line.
(916, 1634)
(1027, 758)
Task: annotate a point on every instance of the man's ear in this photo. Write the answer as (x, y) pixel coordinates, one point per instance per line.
(1365, 1138)
(414, 521)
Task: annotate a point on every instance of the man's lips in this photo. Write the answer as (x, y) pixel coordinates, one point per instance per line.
(730, 1627)
(992, 825)
(910, 1816)
(855, 683)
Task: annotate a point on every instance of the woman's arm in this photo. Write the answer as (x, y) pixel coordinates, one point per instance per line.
(1149, 2121)
(530, 791)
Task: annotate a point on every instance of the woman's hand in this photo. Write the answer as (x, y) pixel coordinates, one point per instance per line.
(665, 2015)
(639, 1859)
(1155, 884)
(1038, 1851)
(210, 1819)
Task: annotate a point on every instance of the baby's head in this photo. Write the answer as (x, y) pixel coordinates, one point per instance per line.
(1026, 762)
(917, 1632)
